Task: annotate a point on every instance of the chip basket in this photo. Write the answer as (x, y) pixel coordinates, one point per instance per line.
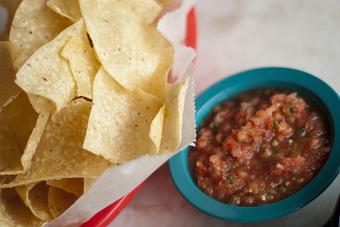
(108, 214)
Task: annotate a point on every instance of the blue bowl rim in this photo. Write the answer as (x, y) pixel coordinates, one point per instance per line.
(329, 98)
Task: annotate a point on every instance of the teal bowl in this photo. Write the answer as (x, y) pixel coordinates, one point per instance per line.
(282, 78)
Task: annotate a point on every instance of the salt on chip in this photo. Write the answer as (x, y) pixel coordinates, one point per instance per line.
(60, 153)
(35, 197)
(71, 185)
(66, 8)
(84, 65)
(173, 119)
(17, 121)
(128, 48)
(34, 25)
(8, 89)
(13, 212)
(59, 200)
(47, 74)
(120, 121)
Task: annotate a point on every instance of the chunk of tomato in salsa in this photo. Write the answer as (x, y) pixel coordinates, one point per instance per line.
(260, 147)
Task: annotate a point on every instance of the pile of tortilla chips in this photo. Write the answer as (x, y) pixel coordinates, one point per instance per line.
(83, 86)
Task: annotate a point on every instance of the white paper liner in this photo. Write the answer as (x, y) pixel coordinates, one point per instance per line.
(120, 180)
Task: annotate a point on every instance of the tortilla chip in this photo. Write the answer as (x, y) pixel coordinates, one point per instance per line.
(120, 121)
(88, 182)
(47, 74)
(164, 3)
(173, 120)
(72, 185)
(34, 24)
(59, 201)
(145, 11)
(41, 104)
(157, 84)
(13, 212)
(128, 49)
(66, 8)
(83, 63)
(33, 141)
(17, 121)
(60, 154)
(11, 6)
(156, 129)
(35, 197)
(8, 89)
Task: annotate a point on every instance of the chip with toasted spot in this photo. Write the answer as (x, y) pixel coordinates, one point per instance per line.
(117, 116)
(129, 50)
(47, 74)
(34, 25)
(60, 153)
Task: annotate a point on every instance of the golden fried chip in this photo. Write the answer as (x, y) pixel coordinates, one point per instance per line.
(173, 120)
(11, 6)
(156, 129)
(60, 153)
(66, 8)
(120, 121)
(59, 201)
(8, 89)
(83, 63)
(71, 185)
(35, 197)
(41, 104)
(156, 85)
(13, 212)
(34, 24)
(47, 74)
(145, 11)
(88, 182)
(17, 121)
(33, 141)
(164, 3)
(128, 49)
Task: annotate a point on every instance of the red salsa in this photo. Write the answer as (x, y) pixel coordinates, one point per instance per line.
(260, 147)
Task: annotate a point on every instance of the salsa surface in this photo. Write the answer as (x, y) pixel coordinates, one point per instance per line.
(260, 147)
